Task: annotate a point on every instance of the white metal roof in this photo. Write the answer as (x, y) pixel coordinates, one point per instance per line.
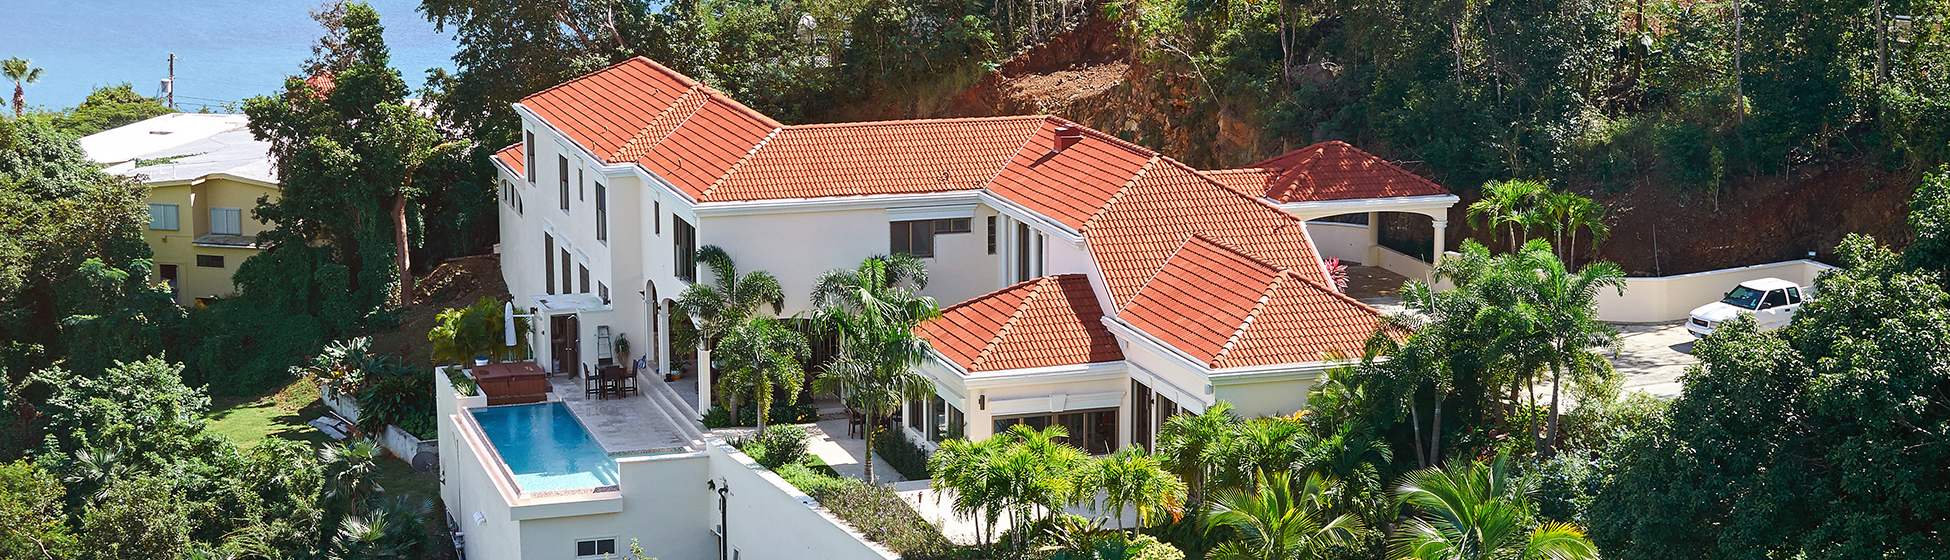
(190, 145)
(1765, 284)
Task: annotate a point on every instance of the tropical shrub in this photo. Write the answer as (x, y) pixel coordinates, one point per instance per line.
(878, 513)
(905, 456)
(783, 443)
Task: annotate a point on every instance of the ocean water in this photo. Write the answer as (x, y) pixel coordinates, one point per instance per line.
(545, 447)
(228, 50)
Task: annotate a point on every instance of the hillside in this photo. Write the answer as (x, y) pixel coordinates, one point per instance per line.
(1658, 228)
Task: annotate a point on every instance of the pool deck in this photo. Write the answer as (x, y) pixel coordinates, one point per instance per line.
(627, 425)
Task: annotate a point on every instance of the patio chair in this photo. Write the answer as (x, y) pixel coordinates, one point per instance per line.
(856, 423)
(626, 381)
(591, 386)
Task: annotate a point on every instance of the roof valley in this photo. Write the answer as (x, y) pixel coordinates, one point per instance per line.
(1003, 332)
(1260, 306)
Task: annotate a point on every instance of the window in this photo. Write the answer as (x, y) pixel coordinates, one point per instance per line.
(1022, 252)
(657, 217)
(581, 194)
(602, 291)
(1794, 295)
(528, 155)
(562, 168)
(915, 413)
(603, 348)
(162, 216)
(209, 261)
(595, 547)
(504, 193)
(1094, 431)
(548, 258)
(917, 237)
(602, 213)
(568, 287)
(169, 277)
(1775, 298)
(684, 240)
(1164, 411)
(1140, 415)
(583, 273)
(226, 221)
(913, 238)
(517, 193)
(944, 421)
(991, 235)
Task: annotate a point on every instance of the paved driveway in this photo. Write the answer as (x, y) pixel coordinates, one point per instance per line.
(1653, 356)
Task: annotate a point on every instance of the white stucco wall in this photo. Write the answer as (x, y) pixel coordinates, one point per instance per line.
(797, 247)
(1334, 240)
(769, 518)
(1671, 298)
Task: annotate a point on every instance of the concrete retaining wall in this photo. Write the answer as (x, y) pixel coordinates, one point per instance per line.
(1334, 240)
(1671, 298)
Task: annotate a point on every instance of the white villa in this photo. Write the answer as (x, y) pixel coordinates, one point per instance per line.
(1086, 281)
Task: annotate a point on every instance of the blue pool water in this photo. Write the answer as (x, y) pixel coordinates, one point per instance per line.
(546, 447)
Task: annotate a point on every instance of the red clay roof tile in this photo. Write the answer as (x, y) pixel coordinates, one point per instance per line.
(892, 157)
(1228, 309)
(1070, 186)
(511, 157)
(1330, 170)
(1044, 322)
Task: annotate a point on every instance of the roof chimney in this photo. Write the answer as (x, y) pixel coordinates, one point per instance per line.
(1066, 136)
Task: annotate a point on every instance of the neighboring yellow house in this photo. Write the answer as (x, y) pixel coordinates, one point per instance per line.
(205, 173)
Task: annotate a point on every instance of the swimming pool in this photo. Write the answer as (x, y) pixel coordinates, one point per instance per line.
(545, 447)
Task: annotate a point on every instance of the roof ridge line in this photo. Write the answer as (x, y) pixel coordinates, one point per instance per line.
(1239, 333)
(1336, 293)
(646, 127)
(895, 122)
(1154, 272)
(1112, 201)
(680, 123)
(984, 185)
(741, 162)
(1003, 332)
(741, 107)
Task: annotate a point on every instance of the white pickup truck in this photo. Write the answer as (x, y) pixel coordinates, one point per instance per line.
(1772, 302)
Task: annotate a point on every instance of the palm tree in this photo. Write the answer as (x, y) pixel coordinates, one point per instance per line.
(1274, 444)
(1587, 214)
(22, 72)
(963, 466)
(1277, 521)
(1507, 204)
(1560, 311)
(1474, 512)
(726, 303)
(763, 355)
(1191, 444)
(873, 309)
(1130, 478)
(1035, 474)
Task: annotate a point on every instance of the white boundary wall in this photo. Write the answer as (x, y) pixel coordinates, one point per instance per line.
(1334, 240)
(1671, 298)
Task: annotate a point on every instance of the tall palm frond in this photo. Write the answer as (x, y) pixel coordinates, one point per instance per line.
(1278, 520)
(762, 355)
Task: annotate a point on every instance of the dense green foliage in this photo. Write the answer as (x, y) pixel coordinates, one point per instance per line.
(478, 330)
(907, 458)
(1821, 440)
(105, 108)
(874, 311)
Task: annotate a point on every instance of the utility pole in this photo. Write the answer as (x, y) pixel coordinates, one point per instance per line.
(1882, 45)
(169, 84)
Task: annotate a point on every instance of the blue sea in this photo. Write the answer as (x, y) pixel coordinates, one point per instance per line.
(228, 50)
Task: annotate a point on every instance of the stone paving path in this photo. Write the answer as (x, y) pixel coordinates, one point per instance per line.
(622, 425)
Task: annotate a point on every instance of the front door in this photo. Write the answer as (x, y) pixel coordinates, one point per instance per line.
(564, 339)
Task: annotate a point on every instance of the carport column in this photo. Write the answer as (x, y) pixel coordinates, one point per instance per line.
(660, 317)
(1441, 236)
(1374, 239)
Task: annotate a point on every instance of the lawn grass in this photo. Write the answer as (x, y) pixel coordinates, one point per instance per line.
(283, 413)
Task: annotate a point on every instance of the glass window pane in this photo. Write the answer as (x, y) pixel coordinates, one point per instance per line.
(897, 238)
(937, 418)
(923, 239)
(162, 217)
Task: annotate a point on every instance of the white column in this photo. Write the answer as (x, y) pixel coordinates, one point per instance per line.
(1441, 238)
(703, 378)
(662, 319)
(1374, 239)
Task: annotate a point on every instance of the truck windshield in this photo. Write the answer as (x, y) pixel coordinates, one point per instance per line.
(1744, 297)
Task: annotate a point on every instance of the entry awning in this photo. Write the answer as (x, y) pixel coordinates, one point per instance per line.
(570, 303)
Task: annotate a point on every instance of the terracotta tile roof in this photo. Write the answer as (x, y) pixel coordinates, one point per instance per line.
(892, 157)
(1070, 186)
(1229, 309)
(1144, 223)
(604, 110)
(1048, 321)
(707, 146)
(511, 157)
(1326, 171)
